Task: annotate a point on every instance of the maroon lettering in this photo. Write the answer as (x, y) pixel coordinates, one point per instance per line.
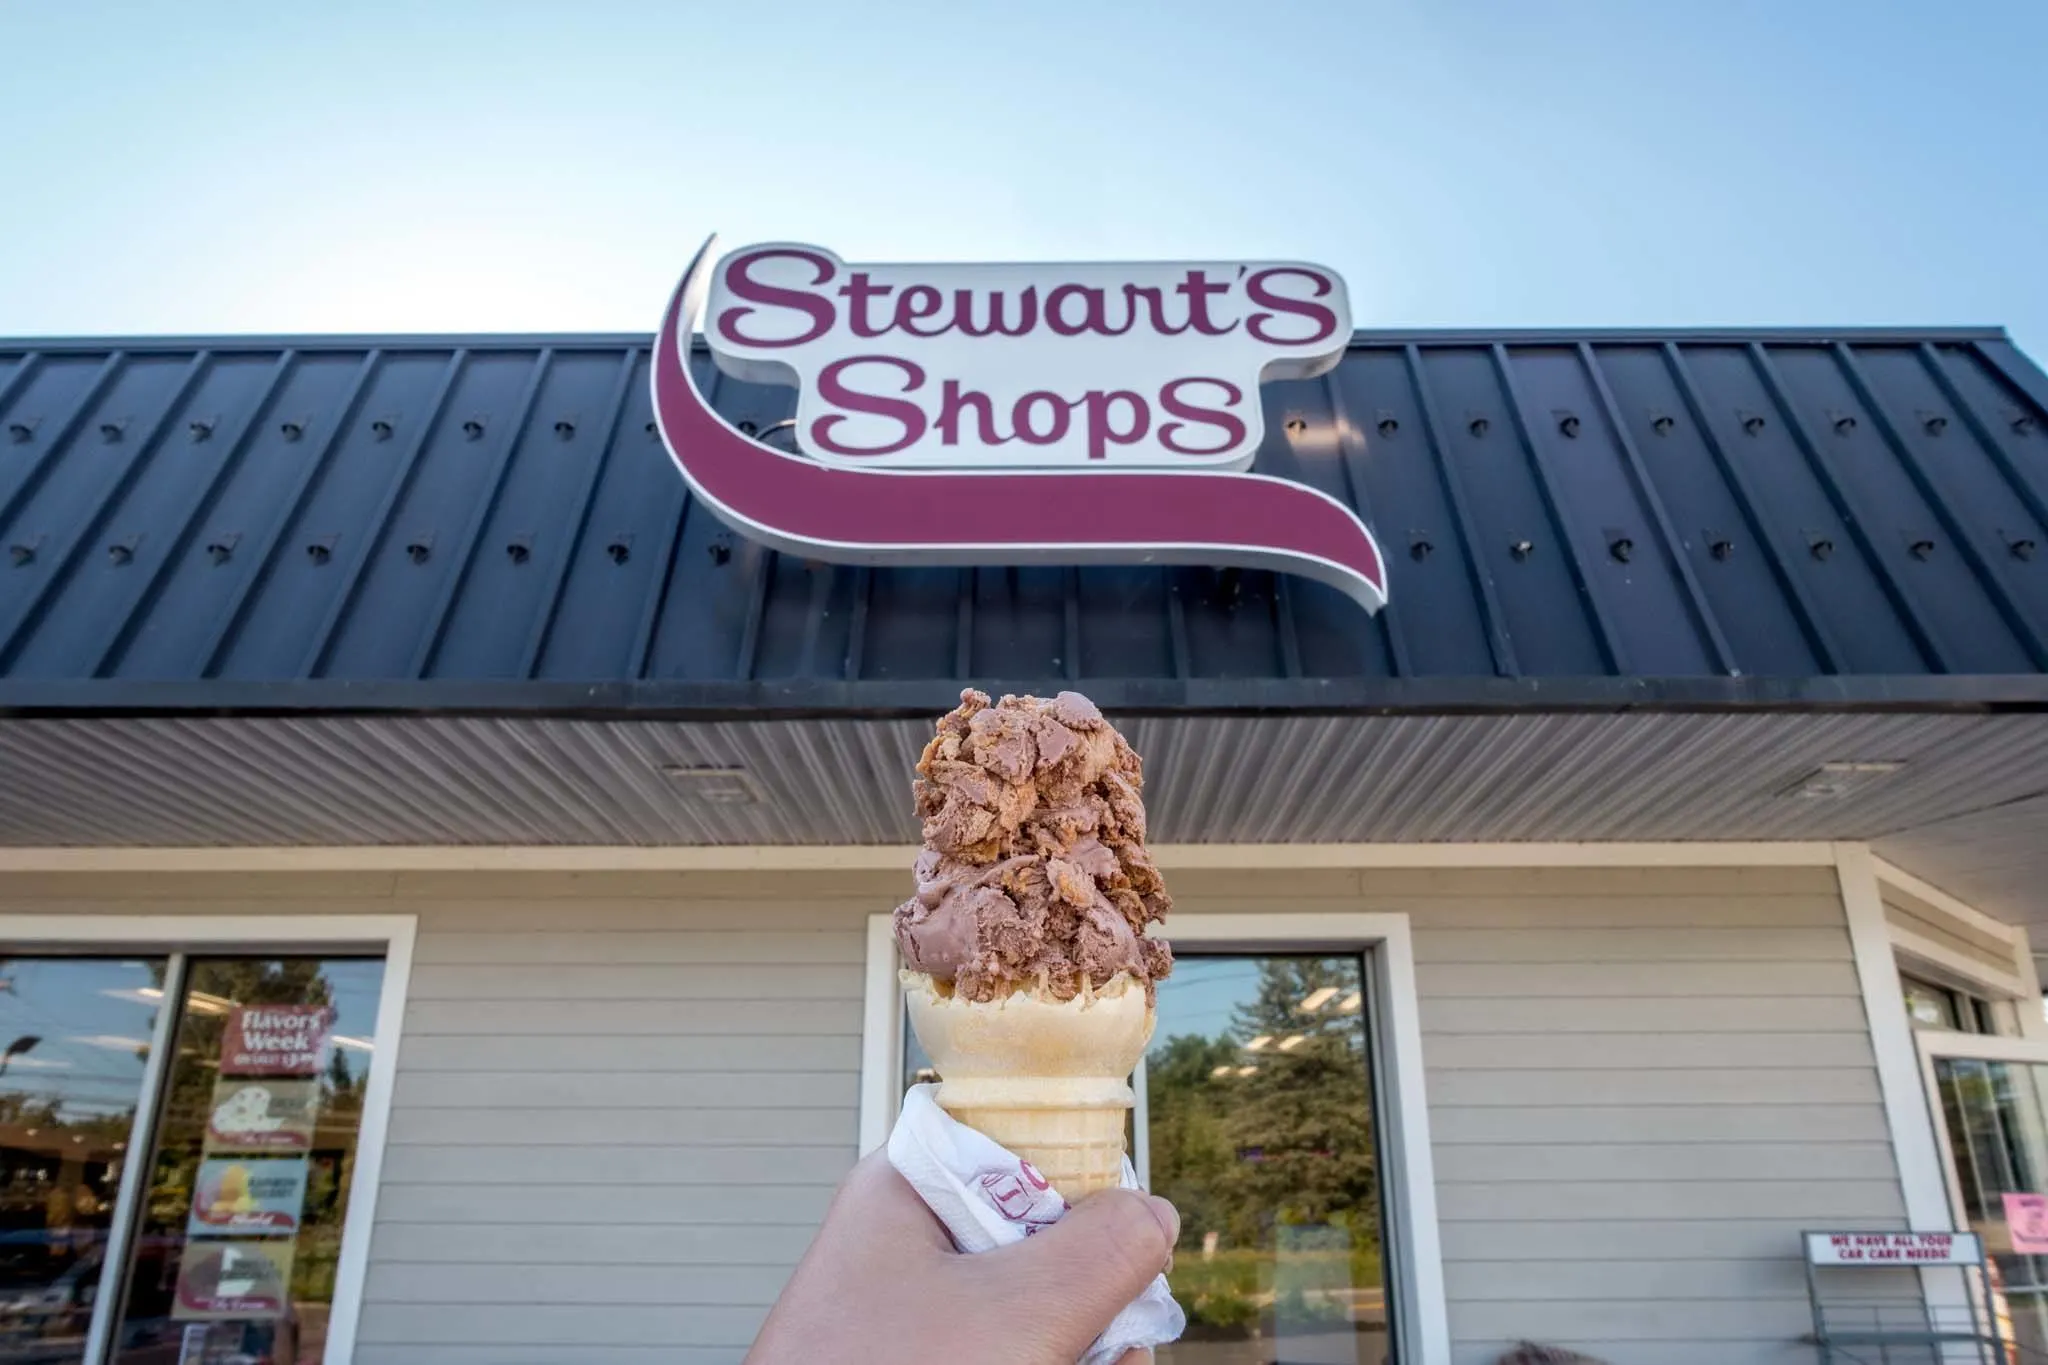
(835, 392)
(1155, 305)
(1324, 318)
(1094, 312)
(741, 283)
(914, 305)
(1102, 429)
(953, 402)
(859, 291)
(1229, 424)
(1020, 418)
(1198, 289)
(1027, 313)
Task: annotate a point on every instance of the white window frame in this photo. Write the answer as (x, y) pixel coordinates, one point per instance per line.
(205, 935)
(1408, 1185)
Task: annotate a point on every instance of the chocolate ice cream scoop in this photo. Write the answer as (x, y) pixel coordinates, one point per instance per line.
(1034, 873)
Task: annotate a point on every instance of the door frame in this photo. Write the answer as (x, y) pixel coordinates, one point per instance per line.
(1386, 942)
(178, 936)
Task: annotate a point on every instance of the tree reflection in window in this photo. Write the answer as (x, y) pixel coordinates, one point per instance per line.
(1261, 1133)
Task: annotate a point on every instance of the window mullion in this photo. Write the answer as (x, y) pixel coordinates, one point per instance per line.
(106, 1304)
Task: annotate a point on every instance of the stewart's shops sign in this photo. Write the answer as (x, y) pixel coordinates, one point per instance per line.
(1012, 414)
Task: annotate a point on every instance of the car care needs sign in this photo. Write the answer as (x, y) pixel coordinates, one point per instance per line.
(1140, 365)
(1894, 1248)
(989, 415)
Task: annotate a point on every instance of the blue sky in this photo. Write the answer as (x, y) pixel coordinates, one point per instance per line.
(382, 167)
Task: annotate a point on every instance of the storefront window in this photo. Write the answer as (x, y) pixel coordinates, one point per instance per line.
(1259, 1114)
(74, 1044)
(1936, 1007)
(236, 1250)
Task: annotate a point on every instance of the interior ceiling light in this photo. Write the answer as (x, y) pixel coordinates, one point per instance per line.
(1832, 781)
(1255, 1044)
(1315, 1000)
(713, 786)
(1292, 1041)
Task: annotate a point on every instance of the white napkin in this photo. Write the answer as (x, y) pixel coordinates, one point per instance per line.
(988, 1198)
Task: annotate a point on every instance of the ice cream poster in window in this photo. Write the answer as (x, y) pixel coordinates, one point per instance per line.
(276, 1040)
(253, 1114)
(247, 1195)
(218, 1280)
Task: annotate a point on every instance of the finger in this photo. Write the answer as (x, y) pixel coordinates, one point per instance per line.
(1137, 1355)
(876, 1205)
(1080, 1272)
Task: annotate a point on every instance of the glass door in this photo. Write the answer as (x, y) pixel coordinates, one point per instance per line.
(1259, 1127)
(1993, 1097)
(1256, 1117)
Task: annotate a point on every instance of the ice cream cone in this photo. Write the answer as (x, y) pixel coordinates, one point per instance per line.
(1047, 1078)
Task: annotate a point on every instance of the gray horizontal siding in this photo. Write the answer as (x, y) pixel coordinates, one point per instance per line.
(621, 1109)
(1641, 1091)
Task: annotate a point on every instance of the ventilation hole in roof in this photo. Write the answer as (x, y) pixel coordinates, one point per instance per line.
(292, 431)
(1934, 424)
(747, 427)
(620, 550)
(222, 550)
(1521, 549)
(519, 551)
(121, 552)
(1820, 547)
(720, 552)
(2023, 424)
(1477, 426)
(1662, 424)
(21, 554)
(1569, 426)
(1388, 426)
(1752, 424)
(1420, 550)
(1622, 548)
(566, 429)
(2023, 549)
(473, 429)
(1921, 549)
(111, 431)
(381, 428)
(419, 551)
(1721, 548)
(21, 433)
(652, 430)
(319, 552)
(1296, 425)
(201, 430)
(1844, 424)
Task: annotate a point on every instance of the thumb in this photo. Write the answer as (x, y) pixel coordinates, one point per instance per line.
(1083, 1270)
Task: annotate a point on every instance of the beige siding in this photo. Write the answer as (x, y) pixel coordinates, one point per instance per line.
(623, 1101)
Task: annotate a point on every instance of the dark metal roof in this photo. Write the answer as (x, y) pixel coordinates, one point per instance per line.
(1850, 518)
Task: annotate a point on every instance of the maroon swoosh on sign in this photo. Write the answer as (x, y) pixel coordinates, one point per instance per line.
(903, 516)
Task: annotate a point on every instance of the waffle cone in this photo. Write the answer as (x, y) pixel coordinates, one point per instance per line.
(1049, 1079)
